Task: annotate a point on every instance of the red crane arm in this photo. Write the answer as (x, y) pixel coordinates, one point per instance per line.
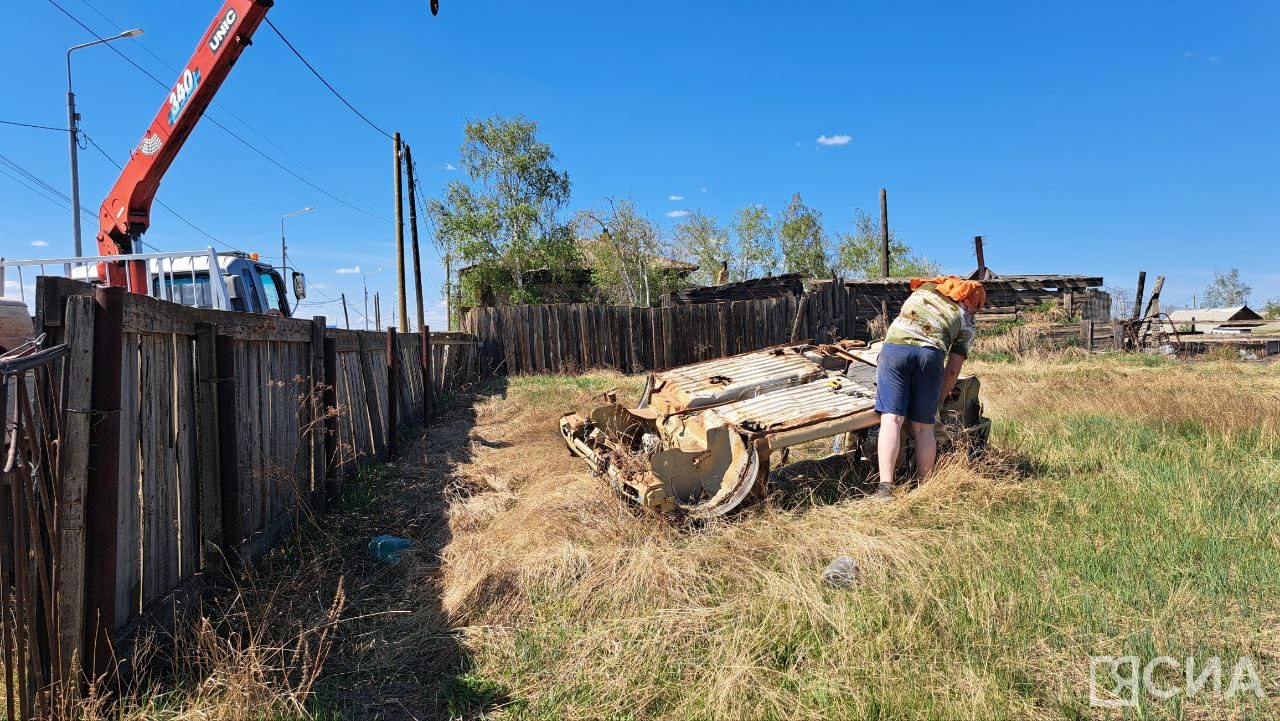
(126, 213)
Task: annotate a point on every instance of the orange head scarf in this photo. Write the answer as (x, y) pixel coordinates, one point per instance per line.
(968, 293)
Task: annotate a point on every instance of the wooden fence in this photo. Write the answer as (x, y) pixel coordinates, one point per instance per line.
(571, 337)
(189, 436)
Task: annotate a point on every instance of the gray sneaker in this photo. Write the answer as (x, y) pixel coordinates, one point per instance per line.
(884, 493)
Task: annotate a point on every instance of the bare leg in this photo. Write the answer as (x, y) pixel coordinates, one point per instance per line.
(926, 448)
(887, 446)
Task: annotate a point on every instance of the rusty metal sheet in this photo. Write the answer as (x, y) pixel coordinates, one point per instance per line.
(786, 408)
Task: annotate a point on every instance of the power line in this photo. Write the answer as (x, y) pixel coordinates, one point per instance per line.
(33, 189)
(159, 202)
(45, 188)
(320, 77)
(30, 125)
(224, 109)
(225, 129)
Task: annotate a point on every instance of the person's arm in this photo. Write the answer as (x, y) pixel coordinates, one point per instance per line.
(954, 362)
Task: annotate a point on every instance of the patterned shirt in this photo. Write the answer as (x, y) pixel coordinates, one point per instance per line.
(930, 319)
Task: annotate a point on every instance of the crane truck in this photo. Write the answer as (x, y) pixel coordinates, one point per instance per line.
(223, 280)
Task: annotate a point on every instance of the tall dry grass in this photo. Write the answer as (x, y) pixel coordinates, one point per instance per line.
(977, 599)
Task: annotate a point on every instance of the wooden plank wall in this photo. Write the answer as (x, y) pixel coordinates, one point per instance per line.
(568, 338)
(571, 337)
(203, 476)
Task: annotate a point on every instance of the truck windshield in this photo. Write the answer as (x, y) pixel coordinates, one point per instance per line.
(184, 289)
(275, 294)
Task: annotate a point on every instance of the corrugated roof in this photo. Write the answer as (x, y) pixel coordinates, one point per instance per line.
(1207, 315)
(1004, 282)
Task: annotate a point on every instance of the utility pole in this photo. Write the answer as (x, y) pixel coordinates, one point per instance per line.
(413, 235)
(366, 306)
(402, 300)
(346, 318)
(448, 291)
(884, 233)
(884, 248)
(377, 312)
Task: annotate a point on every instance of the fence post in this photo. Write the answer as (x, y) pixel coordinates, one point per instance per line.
(1086, 334)
(331, 488)
(428, 386)
(319, 415)
(208, 467)
(74, 461)
(393, 393)
(233, 533)
(376, 422)
(102, 498)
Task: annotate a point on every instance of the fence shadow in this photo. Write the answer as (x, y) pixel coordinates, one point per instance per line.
(401, 657)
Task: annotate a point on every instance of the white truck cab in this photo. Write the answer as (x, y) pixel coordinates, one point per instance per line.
(242, 282)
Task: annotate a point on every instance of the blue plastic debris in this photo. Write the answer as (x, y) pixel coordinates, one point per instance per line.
(387, 549)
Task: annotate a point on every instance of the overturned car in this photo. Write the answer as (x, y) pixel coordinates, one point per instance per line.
(701, 439)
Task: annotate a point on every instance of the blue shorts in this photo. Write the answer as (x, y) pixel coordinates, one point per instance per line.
(909, 381)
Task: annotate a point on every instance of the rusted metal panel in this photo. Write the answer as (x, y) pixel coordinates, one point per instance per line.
(814, 402)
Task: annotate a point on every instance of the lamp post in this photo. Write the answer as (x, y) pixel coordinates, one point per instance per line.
(284, 253)
(73, 131)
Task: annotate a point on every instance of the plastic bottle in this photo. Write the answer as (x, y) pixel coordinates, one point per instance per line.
(387, 549)
(841, 573)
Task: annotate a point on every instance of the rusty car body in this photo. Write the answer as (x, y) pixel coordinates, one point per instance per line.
(701, 439)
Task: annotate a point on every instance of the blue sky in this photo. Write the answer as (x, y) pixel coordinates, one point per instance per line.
(1087, 137)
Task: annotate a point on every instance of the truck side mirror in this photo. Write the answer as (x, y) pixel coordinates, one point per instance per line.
(299, 285)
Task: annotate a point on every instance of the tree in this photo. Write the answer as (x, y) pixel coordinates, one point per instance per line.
(1271, 309)
(703, 241)
(505, 222)
(1226, 290)
(858, 254)
(757, 254)
(625, 252)
(802, 239)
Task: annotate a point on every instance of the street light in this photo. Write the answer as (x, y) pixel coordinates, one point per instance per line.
(284, 253)
(73, 131)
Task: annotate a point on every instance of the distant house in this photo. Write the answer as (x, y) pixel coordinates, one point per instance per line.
(1213, 320)
(774, 286)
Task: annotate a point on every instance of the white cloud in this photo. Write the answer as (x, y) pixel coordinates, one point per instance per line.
(1214, 58)
(703, 189)
(675, 197)
(834, 139)
(449, 166)
(347, 271)
(40, 243)
(319, 286)
(678, 214)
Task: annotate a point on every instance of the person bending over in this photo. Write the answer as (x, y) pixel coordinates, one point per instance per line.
(923, 351)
